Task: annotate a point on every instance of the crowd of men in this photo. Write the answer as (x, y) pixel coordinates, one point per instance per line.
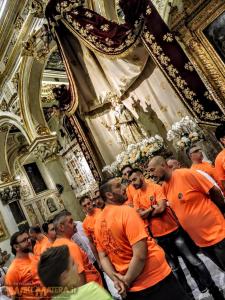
(131, 239)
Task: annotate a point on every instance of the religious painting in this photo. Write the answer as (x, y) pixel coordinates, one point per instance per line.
(35, 178)
(32, 215)
(51, 205)
(215, 33)
(4, 234)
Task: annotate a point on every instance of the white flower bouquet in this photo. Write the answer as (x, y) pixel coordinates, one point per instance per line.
(136, 154)
(184, 133)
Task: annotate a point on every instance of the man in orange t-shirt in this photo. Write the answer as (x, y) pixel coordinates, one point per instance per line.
(198, 205)
(130, 190)
(49, 230)
(22, 281)
(65, 229)
(42, 242)
(89, 221)
(127, 253)
(196, 156)
(220, 159)
(150, 202)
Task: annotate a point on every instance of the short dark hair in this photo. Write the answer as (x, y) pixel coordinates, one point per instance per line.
(126, 166)
(13, 240)
(136, 170)
(35, 229)
(81, 200)
(105, 187)
(45, 227)
(220, 131)
(53, 262)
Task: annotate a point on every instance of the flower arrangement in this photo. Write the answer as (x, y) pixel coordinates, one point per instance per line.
(184, 133)
(136, 154)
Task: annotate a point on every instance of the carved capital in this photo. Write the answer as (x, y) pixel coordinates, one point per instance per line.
(45, 149)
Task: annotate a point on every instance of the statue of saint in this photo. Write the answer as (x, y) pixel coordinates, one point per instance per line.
(124, 125)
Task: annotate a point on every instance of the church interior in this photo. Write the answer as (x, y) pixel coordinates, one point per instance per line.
(90, 86)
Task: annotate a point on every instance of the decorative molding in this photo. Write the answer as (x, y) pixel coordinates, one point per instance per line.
(45, 148)
(42, 130)
(6, 177)
(37, 8)
(10, 193)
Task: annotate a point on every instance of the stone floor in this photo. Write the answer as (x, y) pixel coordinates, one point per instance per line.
(217, 276)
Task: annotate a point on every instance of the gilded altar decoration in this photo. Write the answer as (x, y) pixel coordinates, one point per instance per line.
(4, 234)
(136, 154)
(124, 126)
(184, 133)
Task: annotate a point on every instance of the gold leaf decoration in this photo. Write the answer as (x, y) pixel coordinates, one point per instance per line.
(168, 37)
(188, 66)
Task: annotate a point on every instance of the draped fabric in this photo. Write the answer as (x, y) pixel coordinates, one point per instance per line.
(69, 18)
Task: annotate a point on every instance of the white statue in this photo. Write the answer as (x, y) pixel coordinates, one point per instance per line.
(124, 125)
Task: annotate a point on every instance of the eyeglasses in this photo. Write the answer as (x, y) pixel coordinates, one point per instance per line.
(24, 240)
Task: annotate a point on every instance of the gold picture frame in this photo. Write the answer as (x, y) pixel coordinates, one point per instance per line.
(213, 22)
(191, 26)
(4, 234)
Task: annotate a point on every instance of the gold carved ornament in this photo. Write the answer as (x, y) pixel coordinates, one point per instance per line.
(180, 83)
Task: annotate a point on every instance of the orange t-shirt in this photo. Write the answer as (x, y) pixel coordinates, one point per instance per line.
(41, 246)
(21, 278)
(187, 193)
(220, 168)
(117, 229)
(205, 167)
(80, 258)
(162, 224)
(89, 223)
(130, 191)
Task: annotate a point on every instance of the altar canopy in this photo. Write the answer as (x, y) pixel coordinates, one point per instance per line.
(71, 21)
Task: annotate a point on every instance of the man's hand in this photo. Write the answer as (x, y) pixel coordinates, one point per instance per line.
(119, 284)
(144, 213)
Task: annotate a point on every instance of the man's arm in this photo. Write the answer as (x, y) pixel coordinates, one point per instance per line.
(93, 249)
(217, 197)
(137, 262)
(82, 279)
(144, 213)
(159, 207)
(111, 272)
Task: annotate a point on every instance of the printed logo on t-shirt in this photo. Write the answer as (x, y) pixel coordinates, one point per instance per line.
(152, 198)
(180, 196)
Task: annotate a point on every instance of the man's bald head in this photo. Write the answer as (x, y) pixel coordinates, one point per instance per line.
(158, 168)
(157, 160)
